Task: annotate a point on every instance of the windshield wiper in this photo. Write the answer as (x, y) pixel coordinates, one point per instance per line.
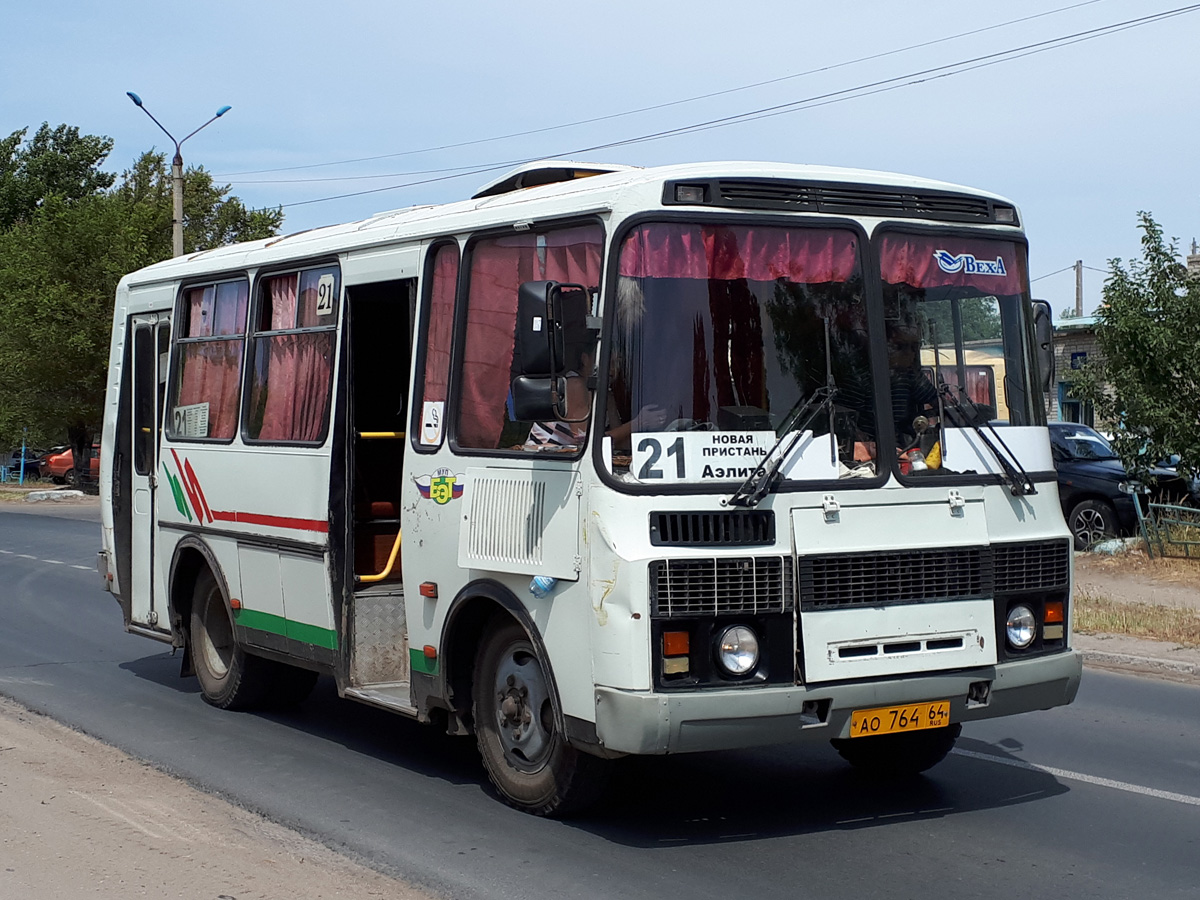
(1019, 482)
(764, 478)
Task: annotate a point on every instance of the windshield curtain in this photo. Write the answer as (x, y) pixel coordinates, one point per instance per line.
(955, 323)
(725, 328)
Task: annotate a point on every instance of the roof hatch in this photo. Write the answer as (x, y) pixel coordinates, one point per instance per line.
(545, 171)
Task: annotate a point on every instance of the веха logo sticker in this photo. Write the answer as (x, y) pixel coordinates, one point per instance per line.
(968, 264)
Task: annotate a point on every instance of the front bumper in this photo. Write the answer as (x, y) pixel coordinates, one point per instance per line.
(658, 723)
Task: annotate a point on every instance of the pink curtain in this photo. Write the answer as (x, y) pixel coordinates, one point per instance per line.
(732, 252)
(292, 371)
(927, 261)
(498, 268)
(440, 331)
(209, 373)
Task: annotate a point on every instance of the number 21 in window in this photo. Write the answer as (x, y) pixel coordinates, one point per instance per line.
(325, 296)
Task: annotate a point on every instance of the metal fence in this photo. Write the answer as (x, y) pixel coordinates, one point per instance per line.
(1170, 530)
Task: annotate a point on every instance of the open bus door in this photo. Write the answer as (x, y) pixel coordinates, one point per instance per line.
(151, 343)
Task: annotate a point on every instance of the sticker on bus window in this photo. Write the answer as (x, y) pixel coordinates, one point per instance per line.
(325, 298)
(190, 421)
(431, 422)
(698, 457)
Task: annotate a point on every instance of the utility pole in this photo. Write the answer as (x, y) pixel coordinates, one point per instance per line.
(1078, 288)
(176, 173)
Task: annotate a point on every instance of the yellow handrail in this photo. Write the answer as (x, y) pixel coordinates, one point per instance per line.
(373, 435)
(387, 570)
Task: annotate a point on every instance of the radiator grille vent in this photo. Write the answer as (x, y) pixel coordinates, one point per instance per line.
(712, 529)
(846, 199)
(874, 579)
(1036, 566)
(708, 587)
(507, 521)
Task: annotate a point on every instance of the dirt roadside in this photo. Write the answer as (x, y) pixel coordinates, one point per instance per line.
(79, 818)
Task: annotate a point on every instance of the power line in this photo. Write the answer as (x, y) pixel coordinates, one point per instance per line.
(883, 85)
(653, 108)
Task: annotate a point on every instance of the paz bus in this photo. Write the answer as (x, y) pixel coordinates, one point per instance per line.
(603, 461)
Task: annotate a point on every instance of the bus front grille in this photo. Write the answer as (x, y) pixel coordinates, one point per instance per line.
(1032, 566)
(745, 528)
(904, 576)
(747, 585)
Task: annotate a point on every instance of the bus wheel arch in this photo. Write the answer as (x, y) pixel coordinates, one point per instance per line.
(191, 557)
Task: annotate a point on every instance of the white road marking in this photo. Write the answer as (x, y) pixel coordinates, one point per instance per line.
(1079, 776)
(53, 562)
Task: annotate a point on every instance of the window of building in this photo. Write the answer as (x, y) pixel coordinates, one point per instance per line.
(208, 362)
(292, 347)
(498, 267)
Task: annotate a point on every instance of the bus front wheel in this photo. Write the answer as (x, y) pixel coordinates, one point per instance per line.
(898, 755)
(526, 758)
(229, 678)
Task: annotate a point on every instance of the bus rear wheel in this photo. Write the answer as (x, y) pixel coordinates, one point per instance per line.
(899, 755)
(528, 761)
(229, 677)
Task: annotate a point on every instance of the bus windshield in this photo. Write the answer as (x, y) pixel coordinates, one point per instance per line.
(725, 328)
(736, 328)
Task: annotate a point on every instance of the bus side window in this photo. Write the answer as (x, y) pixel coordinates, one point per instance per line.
(498, 267)
(208, 362)
(291, 363)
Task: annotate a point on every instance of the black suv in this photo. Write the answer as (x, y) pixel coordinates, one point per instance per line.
(1096, 491)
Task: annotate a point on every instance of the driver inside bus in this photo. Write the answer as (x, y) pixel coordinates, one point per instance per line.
(913, 395)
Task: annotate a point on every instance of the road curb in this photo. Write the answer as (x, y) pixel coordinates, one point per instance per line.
(1176, 668)
(57, 496)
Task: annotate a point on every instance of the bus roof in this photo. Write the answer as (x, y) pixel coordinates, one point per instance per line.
(531, 191)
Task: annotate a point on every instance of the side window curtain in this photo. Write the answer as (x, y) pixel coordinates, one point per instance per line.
(498, 267)
(291, 367)
(203, 401)
(441, 286)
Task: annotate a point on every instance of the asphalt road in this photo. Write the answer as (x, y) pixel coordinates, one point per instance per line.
(1098, 800)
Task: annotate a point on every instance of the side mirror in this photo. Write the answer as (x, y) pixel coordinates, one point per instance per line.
(1043, 337)
(552, 325)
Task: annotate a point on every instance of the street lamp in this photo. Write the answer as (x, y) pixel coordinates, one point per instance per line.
(176, 172)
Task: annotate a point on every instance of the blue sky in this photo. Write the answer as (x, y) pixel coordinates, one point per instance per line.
(1081, 137)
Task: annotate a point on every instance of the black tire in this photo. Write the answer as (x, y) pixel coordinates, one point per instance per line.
(899, 755)
(229, 677)
(1092, 521)
(69, 478)
(527, 759)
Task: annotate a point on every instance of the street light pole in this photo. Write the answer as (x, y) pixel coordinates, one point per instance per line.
(176, 172)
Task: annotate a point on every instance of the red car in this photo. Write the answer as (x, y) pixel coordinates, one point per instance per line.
(59, 466)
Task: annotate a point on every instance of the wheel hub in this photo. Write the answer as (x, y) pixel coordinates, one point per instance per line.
(522, 702)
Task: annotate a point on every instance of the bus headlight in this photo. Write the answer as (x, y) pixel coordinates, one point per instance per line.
(737, 649)
(1021, 627)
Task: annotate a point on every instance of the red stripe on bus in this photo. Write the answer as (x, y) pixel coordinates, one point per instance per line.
(187, 464)
(273, 521)
(187, 486)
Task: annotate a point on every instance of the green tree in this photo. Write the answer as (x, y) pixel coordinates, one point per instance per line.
(1146, 384)
(68, 232)
(56, 162)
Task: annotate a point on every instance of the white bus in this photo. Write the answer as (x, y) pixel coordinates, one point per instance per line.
(602, 461)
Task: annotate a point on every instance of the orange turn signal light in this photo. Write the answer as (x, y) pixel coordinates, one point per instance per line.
(675, 643)
(1054, 612)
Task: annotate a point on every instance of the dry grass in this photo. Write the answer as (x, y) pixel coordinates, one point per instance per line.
(1098, 614)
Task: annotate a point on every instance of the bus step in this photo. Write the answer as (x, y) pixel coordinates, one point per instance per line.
(395, 697)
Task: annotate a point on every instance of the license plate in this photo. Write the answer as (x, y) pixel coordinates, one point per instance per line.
(893, 719)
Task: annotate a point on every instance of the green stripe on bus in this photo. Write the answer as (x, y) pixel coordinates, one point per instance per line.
(297, 631)
(422, 663)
